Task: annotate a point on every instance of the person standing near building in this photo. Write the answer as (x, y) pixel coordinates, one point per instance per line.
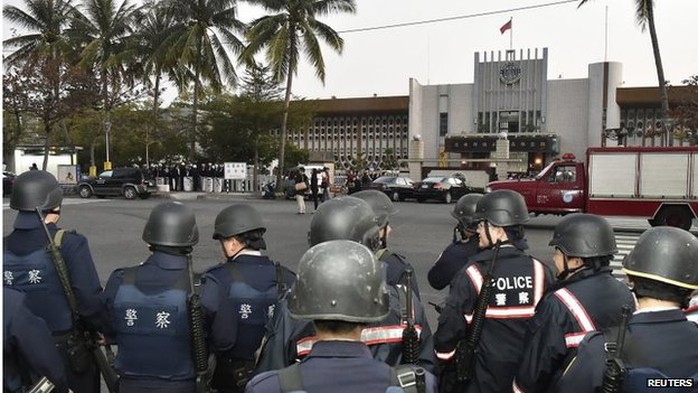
(301, 184)
(341, 290)
(659, 343)
(150, 314)
(253, 284)
(586, 297)
(314, 187)
(457, 254)
(520, 282)
(325, 184)
(29, 268)
(28, 347)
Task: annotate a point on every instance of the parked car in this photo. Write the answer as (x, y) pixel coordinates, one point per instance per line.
(398, 188)
(129, 182)
(8, 179)
(447, 189)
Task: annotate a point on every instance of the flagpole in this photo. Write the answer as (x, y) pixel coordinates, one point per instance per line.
(511, 33)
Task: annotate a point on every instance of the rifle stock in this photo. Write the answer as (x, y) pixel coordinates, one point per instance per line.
(615, 368)
(465, 350)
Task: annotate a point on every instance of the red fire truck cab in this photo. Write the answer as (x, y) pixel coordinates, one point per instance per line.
(660, 183)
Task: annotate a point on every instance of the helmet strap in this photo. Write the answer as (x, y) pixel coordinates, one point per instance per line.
(384, 236)
(487, 234)
(567, 272)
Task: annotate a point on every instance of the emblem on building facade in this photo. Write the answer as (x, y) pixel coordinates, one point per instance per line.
(510, 73)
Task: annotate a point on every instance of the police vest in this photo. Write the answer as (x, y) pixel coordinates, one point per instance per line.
(35, 275)
(254, 307)
(153, 332)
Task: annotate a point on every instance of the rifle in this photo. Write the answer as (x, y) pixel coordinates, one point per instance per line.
(410, 337)
(110, 376)
(198, 333)
(465, 350)
(615, 369)
(43, 386)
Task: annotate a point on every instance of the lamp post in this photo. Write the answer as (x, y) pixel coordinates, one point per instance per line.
(107, 132)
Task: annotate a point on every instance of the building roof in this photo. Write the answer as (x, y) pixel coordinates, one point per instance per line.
(364, 105)
(649, 96)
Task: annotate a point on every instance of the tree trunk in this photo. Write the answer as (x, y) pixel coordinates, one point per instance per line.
(47, 131)
(255, 185)
(663, 97)
(284, 121)
(195, 104)
(156, 95)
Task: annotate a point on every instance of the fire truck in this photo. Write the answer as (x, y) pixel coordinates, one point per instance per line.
(660, 183)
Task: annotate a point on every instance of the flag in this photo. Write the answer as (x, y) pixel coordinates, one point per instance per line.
(506, 27)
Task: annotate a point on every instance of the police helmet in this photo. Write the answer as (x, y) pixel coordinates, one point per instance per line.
(502, 208)
(584, 236)
(171, 224)
(464, 209)
(382, 206)
(345, 218)
(665, 254)
(339, 280)
(235, 220)
(34, 189)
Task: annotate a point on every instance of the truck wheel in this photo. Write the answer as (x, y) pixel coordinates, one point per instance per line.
(85, 192)
(674, 216)
(448, 198)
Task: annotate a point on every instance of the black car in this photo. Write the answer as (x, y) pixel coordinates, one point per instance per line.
(447, 189)
(398, 188)
(129, 182)
(8, 179)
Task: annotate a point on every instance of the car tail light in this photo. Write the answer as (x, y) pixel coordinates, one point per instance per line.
(438, 186)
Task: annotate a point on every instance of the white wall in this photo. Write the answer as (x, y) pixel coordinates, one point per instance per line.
(568, 101)
(24, 161)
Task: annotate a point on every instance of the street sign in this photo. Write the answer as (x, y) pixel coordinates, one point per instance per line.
(235, 170)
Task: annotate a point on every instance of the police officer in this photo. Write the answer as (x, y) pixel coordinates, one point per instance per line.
(586, 297)
(455, 256)
(149, 309)
(253, 284)
(28, 268)
(347, 218)
(659, 342)
(27, 347)
(341, 289)
(520, 282)
(383, 208)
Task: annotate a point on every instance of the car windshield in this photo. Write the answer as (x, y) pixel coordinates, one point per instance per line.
(544, 171)
(386, 179)
(106, 174)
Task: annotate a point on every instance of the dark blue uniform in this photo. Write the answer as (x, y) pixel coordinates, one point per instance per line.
(585, 302)
(338, 367)
(395, 269)
(451, 260)
(290, 339)
(27, 345)
(662, 341)
(250, 283)
(520, 284)
(28, 268)
(149, 321)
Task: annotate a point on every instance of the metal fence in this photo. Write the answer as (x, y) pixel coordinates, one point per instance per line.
(214, 184)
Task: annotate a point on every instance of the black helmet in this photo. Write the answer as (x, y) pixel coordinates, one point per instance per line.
(584, 236)
(382, 206)
(502, 208)
(34, 189)
(339, 280)
(235, 220)
(665, 254)
(464, 209)
(171, 224)
(344, 218)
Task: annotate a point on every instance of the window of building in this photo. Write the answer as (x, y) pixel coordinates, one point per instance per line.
(443, 124)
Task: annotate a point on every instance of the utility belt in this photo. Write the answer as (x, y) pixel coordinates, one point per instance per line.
(232, 374)
(77, 349)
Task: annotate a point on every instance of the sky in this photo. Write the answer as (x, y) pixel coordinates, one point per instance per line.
(382, 61)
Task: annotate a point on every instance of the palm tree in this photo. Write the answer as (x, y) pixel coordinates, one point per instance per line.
(644, 16)
(293, 28)
(44, 46)
(199, 46)
(106, 28)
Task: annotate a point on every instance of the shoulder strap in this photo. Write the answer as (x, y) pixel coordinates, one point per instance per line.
(405, 377)
(281, 286)
(290, 379)
(58, 238)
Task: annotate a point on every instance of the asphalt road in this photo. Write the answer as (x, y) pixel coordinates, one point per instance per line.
(114, 228)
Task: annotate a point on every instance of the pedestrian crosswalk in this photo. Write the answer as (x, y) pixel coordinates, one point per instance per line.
(625, 241)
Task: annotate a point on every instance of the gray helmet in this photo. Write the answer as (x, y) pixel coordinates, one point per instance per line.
(345, 218)
(464, 209)
(34, 189)
(382, 206)
(502, 208)
(584, 236)
(665, 254)
(171, 224)
(235, 220)
(339, 280)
